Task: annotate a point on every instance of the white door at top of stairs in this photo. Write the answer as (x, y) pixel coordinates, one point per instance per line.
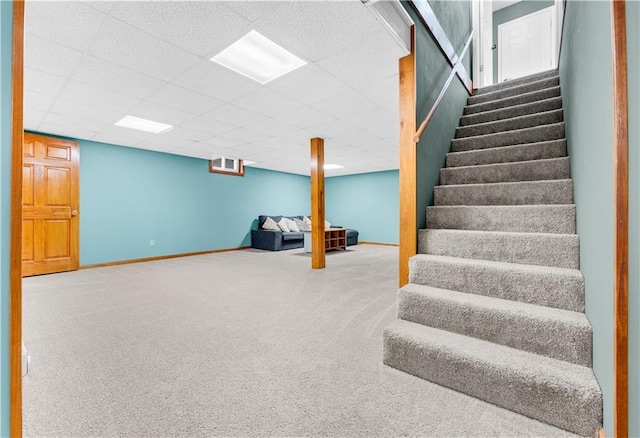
(527, 45)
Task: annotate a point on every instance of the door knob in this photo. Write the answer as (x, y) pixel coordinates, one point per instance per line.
(74, 213)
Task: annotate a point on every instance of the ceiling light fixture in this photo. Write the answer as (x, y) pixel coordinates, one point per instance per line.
(143, 125)
(257, 57)
(332, 166)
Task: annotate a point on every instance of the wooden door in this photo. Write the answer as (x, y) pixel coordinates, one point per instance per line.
(526, 45)
(50, 205)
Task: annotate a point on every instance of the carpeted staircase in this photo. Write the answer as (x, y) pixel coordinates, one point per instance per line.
(495, 303)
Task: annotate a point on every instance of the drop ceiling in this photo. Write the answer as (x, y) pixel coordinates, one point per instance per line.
(88, 64)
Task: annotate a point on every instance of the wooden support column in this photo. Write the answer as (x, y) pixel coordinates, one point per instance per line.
(408, 217)
(15, 255)
(317, 204)
(621, 217)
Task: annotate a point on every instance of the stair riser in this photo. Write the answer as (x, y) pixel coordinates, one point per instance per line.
(512, 101)
(509, 154)
(514, 91)
(563, 407)
(559, 219)
(561, 251)
(539, 170)
(509, 138)
(528, 121)
(563, 339)
(515, 82)
(562, 290)
(528, 193)
(511, 112)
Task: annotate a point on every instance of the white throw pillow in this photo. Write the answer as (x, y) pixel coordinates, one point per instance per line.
(270, 224)
(293, 227)
(307, 221)
(283, 225)
(327, 225)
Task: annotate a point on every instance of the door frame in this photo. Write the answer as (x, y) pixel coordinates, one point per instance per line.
(552, 10)
(15, 252)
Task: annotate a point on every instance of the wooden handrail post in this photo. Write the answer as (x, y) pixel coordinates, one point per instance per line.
(317, 204)
(15, 255)
(621, 219)
(408, 219)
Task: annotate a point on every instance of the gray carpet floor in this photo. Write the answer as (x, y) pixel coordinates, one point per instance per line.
(245, 343)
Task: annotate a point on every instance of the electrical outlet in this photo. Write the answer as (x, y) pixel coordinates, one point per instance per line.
(152, 243)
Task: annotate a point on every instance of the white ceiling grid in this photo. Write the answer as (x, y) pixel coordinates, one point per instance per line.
(88, 64)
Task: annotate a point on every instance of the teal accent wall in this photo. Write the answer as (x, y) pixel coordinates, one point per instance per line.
(633, 50)
(129, 197)
(585, 77)
(6, 28)
(367, 202)
(432, 70)
(516, 10)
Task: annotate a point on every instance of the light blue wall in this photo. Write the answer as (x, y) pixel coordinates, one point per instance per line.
(633, 48)
(367, 202)
(517, 10)
(6, 23)
(585, 78)
(131, 196)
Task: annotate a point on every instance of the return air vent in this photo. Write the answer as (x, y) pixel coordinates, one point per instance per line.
(229, 166)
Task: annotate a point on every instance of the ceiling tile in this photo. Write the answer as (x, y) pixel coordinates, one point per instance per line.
(266, 102)
(346, 105)
(251, 10)
(187, 134)
(184, 100)
(246, 135)
(115, 139)
(82, 111)
(371, 119)
(44, 55)
(234, 115)
(165, 142)
(104, 6)
(329, 129)
(37, 101)
(32, 118)
(98, 97)
(366, 61)
(216, 81)
(132, 135)
(159, 113)
(58, 129)
(149, 54)
(43, 83)
(296, 25)
(104, 74)
(384, 93)
(72, 122)
(202, 27)
(308, 84)
(221, 142)
(212, 127)
(305, 117)
(72, 24)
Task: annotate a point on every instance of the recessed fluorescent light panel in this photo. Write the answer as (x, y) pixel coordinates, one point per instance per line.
(332, 166)
(257, 57)
(143, 125)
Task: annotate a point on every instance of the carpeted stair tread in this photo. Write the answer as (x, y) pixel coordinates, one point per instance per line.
(509, 154)
(520, 99)
(534, 134)
(535, 170)
(508, 193)
(510, 124)
(541, 285)
(514, 82)
(556, 333)
(556, 392)
(514, 90)
(553, 103)
(543, 249)
(557, 219)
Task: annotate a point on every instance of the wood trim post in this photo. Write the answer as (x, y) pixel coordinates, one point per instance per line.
(317, 204)
(408, 219)
(15, 257)
(621, 228)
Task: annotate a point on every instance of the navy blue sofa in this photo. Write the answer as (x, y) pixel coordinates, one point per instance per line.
(278, 240)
